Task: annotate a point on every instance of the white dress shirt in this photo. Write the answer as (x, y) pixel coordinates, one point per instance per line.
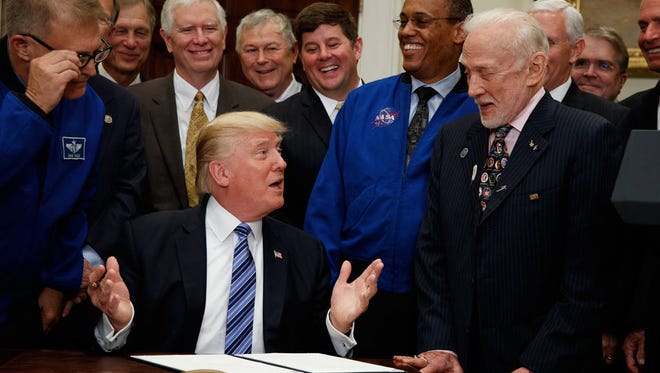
(560, 92)
(293, 88)
(184, 94)
(103, 72)
(443, 87)
(220, 242)
(330, 105)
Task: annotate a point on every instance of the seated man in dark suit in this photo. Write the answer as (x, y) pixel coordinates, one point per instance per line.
(509, 263)
(171, 256)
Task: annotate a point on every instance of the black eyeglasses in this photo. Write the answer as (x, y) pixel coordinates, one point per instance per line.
(98, 56)
(420, 23)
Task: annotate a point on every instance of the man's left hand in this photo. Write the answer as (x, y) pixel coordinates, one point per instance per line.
(50, 304)
(349, 301)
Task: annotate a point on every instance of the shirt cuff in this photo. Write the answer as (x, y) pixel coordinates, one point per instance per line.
(92, 256)
(342, 343)
(105, 334)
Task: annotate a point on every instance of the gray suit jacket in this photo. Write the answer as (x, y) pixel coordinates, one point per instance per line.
(166, 181)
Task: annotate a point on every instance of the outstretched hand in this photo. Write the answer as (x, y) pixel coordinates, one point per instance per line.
(109, 293)
(430, 362)
(349, 301)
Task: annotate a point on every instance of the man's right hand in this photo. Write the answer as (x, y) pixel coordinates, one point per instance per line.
(633, 349)
(49, 76)
(430, 362)
(109, 293)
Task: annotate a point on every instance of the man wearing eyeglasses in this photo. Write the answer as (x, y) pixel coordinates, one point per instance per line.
(370, 193)
(50, 131)
(564, 27)
(601, 67)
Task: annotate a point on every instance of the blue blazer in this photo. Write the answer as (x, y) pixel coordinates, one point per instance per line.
(524, 273)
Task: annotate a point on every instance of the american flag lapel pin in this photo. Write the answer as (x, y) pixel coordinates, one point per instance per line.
(277, 254)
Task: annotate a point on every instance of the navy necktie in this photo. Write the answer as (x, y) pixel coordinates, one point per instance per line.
(420, 119)
(240, 313)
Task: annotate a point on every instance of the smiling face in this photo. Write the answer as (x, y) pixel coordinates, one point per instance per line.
(197, 42)
(131, 40)
(649, 33)
(500, 84)
(330, 61)
(266, 59)
(597, 71)
(430, 53)
(254, 176)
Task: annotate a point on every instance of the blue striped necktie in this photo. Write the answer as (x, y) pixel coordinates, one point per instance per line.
(240, 313)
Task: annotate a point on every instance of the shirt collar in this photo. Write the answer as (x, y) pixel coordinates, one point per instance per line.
(293, 88)
(560, 92)
(329, 104)
(443, 86)
(223, 223)
(519, 121)
(186, 92)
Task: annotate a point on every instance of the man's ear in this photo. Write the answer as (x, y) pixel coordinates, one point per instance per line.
(537, 67)
(219, 173)
(21, 46)
(577, 50)
(459, 33)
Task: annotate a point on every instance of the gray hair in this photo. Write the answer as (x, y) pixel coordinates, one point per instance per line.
(217, 140)
(262, 16)
(167, 18)
(573, 18)
(36, 16)
(526, 36)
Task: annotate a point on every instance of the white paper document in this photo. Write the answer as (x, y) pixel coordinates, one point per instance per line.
(224, 363)
(265, 363)
(319, 363)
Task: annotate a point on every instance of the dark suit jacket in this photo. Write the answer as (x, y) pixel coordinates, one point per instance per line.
(645, 305)
(644, 106)
(521, 279)
(164, 267)
(618, 114)
(160, 130)
(303, 149)
(121, 167)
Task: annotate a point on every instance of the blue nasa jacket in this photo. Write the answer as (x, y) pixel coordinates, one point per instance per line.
(45, 184)
(366, 203)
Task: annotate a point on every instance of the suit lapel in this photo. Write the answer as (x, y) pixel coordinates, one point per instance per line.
(531, 144)
(476, 146)
(191, 251)
(164, 120)
(227, 101)
(314, 114)
(276, 263)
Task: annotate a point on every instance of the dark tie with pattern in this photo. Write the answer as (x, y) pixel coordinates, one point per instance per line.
(498, 156)
(240, 313)
(419, 120)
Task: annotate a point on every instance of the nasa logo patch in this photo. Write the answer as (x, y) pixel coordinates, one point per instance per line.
(385, 117)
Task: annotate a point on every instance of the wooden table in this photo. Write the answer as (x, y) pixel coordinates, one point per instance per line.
(66, 361)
